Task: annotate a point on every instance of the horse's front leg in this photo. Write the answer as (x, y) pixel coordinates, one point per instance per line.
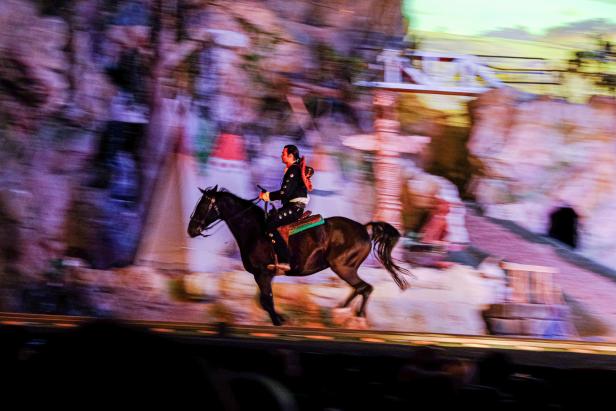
(266, 298)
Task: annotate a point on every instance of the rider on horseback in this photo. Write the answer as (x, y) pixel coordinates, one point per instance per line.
(293, 194)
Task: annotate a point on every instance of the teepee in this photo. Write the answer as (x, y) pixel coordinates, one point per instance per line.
(228, 168)
(165, 243)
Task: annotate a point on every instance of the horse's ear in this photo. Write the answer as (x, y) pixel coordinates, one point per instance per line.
(202, 190)
(215, 188)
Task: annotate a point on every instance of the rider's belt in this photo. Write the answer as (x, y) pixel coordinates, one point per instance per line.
(300, 200)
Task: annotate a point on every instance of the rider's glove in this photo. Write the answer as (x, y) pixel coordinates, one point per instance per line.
(264, 195)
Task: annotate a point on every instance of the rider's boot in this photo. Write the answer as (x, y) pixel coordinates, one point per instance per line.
(281, 253)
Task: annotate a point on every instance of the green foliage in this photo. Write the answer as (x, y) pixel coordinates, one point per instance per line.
(325, 316)
(190, 69)
(367, 169)
(450, 156)
(340, 68)
(263, 45)
(176, 289)
(252, 57)
(204, 141)
(345, 160)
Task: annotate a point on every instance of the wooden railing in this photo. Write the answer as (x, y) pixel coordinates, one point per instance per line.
(458, 74)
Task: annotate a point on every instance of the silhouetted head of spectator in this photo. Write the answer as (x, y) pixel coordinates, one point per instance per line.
(106, 364)
(428, 358)
(495, 369)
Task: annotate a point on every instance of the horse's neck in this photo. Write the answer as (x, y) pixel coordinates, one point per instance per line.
(243, 222)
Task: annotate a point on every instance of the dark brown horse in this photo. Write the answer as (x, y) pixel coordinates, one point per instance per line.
(340, 243)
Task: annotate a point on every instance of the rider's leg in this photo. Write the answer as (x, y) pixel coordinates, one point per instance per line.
(275, 220)
(279, 246)
(282, 216)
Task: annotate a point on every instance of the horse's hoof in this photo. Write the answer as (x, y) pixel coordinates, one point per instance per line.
(357, 323)
(341, 315)
(279, 320)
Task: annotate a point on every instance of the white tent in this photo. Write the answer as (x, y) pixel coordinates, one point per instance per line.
(165, 242)
(228, 168)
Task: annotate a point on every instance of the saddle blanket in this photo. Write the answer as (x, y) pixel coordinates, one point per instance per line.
(305, 224)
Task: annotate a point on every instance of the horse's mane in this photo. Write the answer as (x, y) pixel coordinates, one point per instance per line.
(244, 204)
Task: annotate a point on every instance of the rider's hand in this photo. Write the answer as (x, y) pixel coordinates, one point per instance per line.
(264, 195)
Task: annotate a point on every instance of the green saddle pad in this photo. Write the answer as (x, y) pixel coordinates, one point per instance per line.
(306, 224)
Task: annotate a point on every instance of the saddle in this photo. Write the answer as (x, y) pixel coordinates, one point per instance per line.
(305, 222)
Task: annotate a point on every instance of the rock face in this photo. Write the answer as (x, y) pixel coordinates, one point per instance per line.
(84, 87)
(34, 69)
(342, 23)
(420, 196)
(44, 149)
(48, 135)
(303, 39)
(539, 159)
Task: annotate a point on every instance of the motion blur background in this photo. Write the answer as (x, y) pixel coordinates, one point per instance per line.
(112, 113)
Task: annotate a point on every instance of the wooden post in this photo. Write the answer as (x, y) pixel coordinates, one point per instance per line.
(519, 280)
(532, 284)
(393, 65)
(387, 171)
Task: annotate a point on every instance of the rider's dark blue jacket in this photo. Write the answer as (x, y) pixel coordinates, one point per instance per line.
(292, 186)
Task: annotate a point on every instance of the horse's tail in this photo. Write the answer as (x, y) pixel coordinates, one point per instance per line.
(384, 237)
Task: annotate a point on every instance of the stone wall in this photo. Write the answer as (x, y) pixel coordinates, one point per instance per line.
(535, 155)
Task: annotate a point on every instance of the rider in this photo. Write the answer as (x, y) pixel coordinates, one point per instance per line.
(293, 194)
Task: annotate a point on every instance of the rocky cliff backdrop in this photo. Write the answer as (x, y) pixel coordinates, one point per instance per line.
(96, 98)
(89, 96)
(549, 166)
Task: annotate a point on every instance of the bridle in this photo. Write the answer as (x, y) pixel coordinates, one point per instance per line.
(212, 206)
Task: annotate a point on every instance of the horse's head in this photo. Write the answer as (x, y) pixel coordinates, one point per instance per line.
(206, 212)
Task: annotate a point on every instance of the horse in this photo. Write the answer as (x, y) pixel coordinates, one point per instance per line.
(340, 243)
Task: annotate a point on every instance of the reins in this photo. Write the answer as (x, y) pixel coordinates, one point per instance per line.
(253, 201)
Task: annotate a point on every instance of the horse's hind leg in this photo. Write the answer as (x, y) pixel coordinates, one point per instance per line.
(266, 297)
(350, 298)
(365, 290)
(360, 287)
